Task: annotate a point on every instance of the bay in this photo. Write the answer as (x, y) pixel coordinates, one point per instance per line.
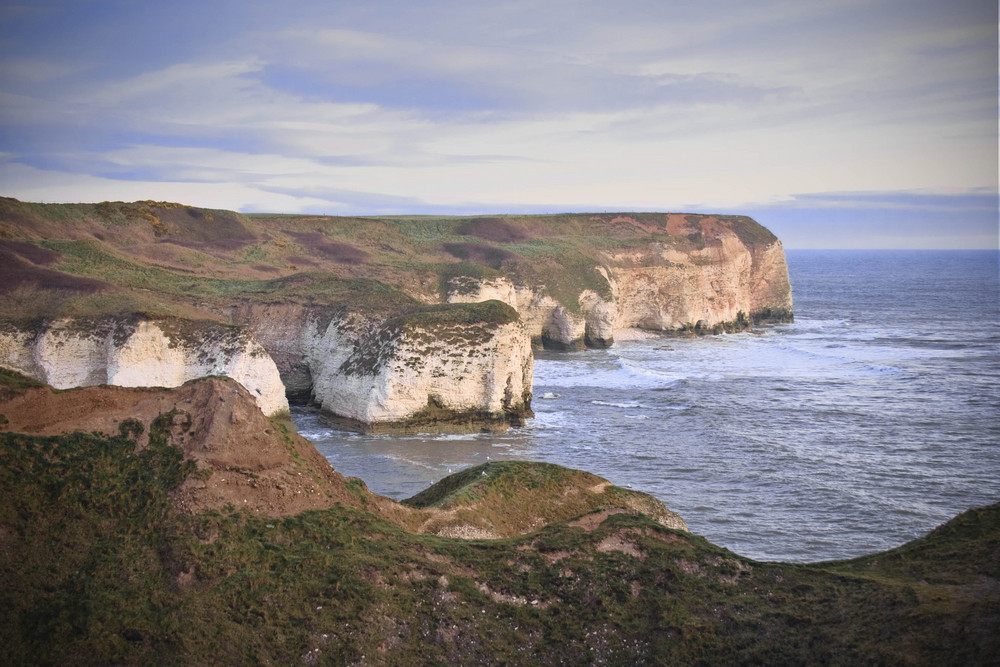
(865, 423)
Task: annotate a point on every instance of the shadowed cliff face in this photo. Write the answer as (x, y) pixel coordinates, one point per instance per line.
(325, 298)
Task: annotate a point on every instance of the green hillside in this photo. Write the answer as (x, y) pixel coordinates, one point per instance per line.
(167, 259)
(98, 567)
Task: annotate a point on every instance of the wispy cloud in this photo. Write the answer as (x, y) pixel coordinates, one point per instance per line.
(505, 106)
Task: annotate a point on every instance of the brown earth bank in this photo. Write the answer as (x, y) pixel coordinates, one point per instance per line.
(262, 466)
(244, 459)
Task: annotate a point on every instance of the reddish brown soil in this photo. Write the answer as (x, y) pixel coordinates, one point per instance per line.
(495, 230)
(19, 265)
(244, 459)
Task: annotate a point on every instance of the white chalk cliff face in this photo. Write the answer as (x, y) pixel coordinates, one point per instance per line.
(70, 354)
(409, 370)
(387, 373)
(662, 289)
(655, 288)
(546, 320)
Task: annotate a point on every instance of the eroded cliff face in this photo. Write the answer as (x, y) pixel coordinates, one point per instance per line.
(281, 328)
(662, 289)
(655, 287)
(71, 353)
(548, 323)
(450, 367)
(391, 374)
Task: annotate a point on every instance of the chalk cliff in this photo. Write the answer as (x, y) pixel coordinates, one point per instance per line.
(454, 365)
(663, 289)
(378, 320)
(736, 277)
(141, 353)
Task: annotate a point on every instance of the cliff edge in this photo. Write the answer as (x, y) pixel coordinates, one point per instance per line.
(396, 322)
(208, 534)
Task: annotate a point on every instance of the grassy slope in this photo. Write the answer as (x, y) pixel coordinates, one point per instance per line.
(98, 567)
(88, 260)
(502, 497)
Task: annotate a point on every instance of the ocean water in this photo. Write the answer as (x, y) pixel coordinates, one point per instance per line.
(871, 419)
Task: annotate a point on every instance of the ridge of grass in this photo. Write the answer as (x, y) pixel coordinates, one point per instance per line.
(98, 567)
(14, 384)
(162, 257)
(502, 477)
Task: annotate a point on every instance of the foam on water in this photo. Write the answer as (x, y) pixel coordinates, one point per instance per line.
(868, 421)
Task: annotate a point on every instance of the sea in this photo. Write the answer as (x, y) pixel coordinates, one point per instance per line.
(868, 421)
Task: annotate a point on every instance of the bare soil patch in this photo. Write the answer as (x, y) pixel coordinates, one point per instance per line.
(244, 459)
(496, 230)
(592, 521)
(478, 252)
(17, 272)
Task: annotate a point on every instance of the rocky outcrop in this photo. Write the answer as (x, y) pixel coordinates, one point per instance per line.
(281, 328)
(734, 278)
(548, 323)
(460, 366)
(423, 368)
(142, 353)
(659, 288)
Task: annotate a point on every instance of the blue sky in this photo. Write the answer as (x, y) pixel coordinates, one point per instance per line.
(838, 124)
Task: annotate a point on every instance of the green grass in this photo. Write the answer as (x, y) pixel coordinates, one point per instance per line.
(472, 273)
(506, 478)
(219, 257)
(99, 568)
(158, 291)
(457, 314)
(14, 384)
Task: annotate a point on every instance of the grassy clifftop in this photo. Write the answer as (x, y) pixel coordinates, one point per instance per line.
(161, 258)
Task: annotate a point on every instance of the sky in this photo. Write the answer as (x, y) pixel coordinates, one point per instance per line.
(835, 123)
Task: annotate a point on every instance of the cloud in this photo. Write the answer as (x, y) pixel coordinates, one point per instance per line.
(943, 201)
(31, 184)
(447, 104)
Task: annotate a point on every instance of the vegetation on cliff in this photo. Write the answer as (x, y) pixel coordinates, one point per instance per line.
(99, 566)
(101, 563)
(167, 259)
(502, 498)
